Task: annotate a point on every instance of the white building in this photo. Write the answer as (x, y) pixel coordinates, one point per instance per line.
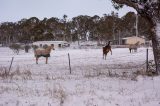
(56, 43)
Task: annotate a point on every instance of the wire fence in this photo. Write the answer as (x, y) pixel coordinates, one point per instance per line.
(66, 60)
(74, 64)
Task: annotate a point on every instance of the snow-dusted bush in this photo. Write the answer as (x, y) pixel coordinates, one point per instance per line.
(15, 47)
(26, 48)
(34, 47)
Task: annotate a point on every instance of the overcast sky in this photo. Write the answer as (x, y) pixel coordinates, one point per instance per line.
(15, 10)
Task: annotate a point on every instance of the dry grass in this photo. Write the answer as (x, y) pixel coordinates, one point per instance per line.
(15, 74)
(57, 92)
(4, 72)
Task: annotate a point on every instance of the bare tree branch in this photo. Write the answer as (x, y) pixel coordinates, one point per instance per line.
(127, 2)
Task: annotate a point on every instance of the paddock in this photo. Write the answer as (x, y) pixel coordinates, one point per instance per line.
(82, 60)
(93, 80)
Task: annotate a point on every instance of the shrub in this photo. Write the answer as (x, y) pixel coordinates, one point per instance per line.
(26, 48)
(15, 47)
(4, 73)
(34, 47)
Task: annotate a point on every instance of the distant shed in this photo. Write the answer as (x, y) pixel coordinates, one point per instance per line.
(133, 40)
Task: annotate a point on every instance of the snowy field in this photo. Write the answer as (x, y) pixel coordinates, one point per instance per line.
(93, 81)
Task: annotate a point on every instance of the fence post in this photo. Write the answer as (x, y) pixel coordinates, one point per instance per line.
(69, 63)
(147, 60)
(10, 65)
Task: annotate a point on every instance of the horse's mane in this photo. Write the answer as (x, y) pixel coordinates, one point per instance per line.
(108, 44)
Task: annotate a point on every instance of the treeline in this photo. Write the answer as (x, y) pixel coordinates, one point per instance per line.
(80, 28)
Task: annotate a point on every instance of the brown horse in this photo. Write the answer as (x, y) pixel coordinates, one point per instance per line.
(133, 47)
(106, 49)
(43, 52)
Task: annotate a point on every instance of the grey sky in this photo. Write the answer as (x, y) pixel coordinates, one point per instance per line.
(15, 10)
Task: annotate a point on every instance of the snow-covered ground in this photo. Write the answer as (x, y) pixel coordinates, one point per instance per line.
(93, 81)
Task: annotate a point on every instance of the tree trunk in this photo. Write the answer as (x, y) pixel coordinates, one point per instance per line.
(156, 46)
(150, 10)
(78, 40)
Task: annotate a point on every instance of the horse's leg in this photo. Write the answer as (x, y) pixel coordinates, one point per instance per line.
(46, 60)
(105, 56)
(36, 60)
(111, 51)
(130, 50)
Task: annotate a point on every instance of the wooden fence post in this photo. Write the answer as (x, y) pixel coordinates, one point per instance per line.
(10, 65)
(69, 63)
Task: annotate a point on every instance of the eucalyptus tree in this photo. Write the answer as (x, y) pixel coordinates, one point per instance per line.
(76, 22)
(150, 10)
(96, 28)
(128, 24)
(74, 29)
(33, 27)
(7, 32)
(52, 26)
(144, 27)
(22, 29)
(65, 27)
(27, 28)
(82, 25)
(15, 31)
(116, 23)
(2, 33)
(107, 27)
